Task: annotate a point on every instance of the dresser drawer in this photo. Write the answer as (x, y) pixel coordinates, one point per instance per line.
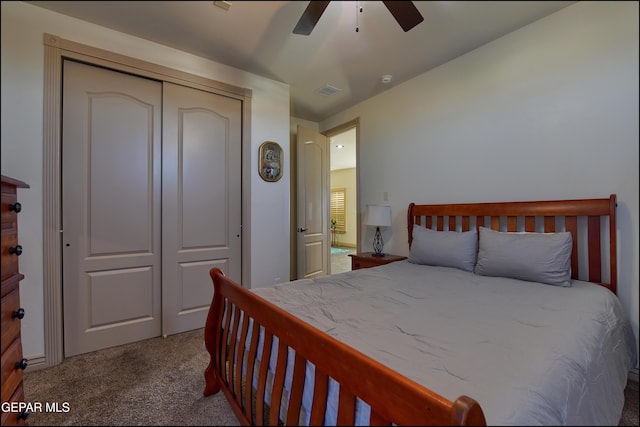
(9, 208)
(11, 374)
(9, 260)
(10, 317)
(15, 418)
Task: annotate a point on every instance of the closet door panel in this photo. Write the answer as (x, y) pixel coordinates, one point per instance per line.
(111, 148)
(201, 200)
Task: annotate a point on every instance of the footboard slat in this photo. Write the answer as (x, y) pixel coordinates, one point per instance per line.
(297, 387)
(231, 358)
(240, 357)
(320, 393)
(346, 408)
(251, 363)
(392, 398)
(377, 420)
(278, 384)
(262, 377)
(224, 354)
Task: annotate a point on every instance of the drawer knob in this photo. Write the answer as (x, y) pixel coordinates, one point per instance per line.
(15, 207)
(17, 250)
(18, 314)
(22, 364)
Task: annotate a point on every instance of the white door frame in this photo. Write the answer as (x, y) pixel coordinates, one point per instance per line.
(55, 49)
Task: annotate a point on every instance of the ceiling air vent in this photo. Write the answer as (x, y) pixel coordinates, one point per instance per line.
(328, 90)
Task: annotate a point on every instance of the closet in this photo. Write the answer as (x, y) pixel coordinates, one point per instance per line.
(151, 200)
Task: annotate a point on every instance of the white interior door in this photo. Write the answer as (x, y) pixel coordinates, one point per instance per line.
(202, 151)
(111, 208)
(313, 203)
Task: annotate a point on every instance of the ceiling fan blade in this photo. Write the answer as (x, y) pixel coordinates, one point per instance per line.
(310, 17)
(405, 12)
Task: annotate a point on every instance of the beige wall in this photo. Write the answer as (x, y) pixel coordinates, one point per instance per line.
(22, 52)
(549, 111)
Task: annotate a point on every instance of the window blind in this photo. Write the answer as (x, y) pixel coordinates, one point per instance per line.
(338, 209)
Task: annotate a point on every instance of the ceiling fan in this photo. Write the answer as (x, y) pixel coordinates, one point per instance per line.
(404, 12)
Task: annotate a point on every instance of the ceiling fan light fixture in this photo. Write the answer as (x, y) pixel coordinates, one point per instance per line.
(226, 5)
(404, 12)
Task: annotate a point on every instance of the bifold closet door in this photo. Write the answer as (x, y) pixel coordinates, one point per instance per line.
(151, 200)
(201, 201)
(111, 208)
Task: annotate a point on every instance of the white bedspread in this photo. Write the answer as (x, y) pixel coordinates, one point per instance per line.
(529, 353)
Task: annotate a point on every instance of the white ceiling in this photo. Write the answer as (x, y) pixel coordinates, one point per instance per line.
(343, 150)
(257, 36)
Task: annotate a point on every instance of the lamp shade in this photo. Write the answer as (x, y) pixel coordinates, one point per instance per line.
(378, 215)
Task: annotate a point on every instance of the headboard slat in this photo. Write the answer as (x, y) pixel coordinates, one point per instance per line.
(549, 224)
(530, 224)
(571, 225)
(466, 223)
(512, 223)
(613, 257)
(495, 223)
(595, 269)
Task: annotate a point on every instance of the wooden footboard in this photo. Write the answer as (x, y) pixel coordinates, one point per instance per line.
(236, 320)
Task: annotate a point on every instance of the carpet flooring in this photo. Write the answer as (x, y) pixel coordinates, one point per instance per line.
(158, 381)
(152, 382)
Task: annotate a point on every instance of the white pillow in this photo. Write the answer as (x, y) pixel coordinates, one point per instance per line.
(444, 248)
(536, 257)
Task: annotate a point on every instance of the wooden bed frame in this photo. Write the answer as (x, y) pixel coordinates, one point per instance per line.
(393, 398)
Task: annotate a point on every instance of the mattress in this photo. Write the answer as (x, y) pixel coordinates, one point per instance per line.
(529, 353)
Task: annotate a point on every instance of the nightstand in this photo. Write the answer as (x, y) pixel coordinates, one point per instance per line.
(367, 260)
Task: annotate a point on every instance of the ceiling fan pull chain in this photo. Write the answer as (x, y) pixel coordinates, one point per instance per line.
(358, 12)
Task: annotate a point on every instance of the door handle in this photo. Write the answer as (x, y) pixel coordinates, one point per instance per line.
(301, 229)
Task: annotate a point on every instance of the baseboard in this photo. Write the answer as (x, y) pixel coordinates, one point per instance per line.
(36, 362)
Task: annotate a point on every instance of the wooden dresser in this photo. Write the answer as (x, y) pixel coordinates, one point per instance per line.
(13, 364)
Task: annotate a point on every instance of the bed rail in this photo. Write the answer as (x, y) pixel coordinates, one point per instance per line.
(237, 314)
(584, 218)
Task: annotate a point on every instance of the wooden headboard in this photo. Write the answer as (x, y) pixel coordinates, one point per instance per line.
(586, 219)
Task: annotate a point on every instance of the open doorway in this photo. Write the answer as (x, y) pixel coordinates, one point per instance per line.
(344, 195)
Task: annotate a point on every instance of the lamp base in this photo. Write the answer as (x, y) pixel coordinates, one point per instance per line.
(378, 244)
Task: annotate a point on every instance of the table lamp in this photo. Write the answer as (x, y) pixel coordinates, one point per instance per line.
(378, 216)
